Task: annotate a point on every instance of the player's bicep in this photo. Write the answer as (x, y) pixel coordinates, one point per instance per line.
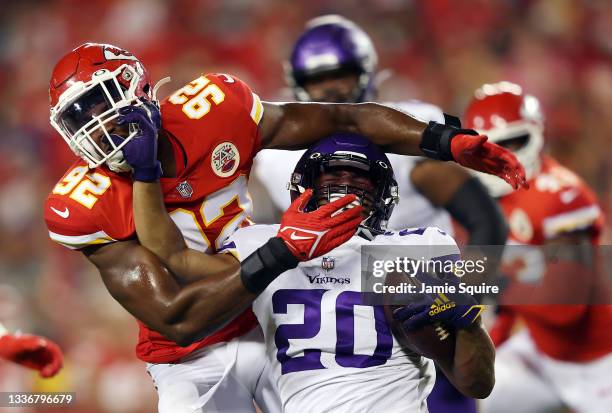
(136, 279)
(296, 125)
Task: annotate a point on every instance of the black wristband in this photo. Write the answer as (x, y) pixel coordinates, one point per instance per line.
(266, 263)
(436, 140)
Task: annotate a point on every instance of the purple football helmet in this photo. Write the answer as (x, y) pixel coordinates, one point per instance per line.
(349, 151)
(332, 43)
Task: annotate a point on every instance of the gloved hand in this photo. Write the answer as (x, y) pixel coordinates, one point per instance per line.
(447, 142)
(311, 234)
(141, 151)
(475, 152)
(439, 307)
(32, 351)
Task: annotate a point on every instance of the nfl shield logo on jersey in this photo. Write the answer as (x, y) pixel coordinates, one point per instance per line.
(225, 159)
(328, 263)
(184, 189)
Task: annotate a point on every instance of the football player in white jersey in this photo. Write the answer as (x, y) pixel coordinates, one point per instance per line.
(329, 351)
(335, 61)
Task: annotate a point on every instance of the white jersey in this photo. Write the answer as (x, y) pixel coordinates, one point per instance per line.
(327, 350)
(272, 170)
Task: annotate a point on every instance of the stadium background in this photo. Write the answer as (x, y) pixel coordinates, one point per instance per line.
(438, 51)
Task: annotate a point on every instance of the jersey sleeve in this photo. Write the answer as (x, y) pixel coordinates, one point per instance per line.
(246, 240)
(243, 94)
(215, 118)
(89, 208)
(246, 102)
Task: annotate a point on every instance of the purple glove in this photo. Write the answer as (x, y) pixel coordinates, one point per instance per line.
(141, 151)
(439, 307)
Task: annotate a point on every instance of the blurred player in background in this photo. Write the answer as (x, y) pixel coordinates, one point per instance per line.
(563, 359)
(189, 302)
(335, 61)
(34, 352)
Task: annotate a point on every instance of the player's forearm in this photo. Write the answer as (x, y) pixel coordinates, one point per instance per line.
(472, 369)
(143, 286)
(395, 131)
(297, 125)
(203, 307)
(156, 230)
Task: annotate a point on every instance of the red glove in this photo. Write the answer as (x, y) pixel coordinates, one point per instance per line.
(475, 152)
(311, 234)
(33, 352)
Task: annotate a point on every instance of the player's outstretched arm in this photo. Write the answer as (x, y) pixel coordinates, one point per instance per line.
(297, 125)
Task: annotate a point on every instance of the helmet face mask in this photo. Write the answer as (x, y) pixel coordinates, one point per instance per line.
(334, 86)
(85, 103)
(348, 152)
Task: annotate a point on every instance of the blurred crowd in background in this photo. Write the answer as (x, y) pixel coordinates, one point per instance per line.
(438, 51)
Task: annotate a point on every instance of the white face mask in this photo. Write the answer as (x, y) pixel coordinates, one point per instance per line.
(88, 110)
(528, 155)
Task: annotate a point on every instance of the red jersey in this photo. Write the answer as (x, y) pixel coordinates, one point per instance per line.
(212, 124)
(558, 202)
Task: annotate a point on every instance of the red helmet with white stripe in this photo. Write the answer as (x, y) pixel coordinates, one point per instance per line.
(87, 87)
(509, 118)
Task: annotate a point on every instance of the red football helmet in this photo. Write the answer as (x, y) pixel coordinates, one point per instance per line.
(87, 87)
(509, 118)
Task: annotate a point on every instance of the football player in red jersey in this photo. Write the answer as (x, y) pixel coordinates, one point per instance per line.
(207, 132)
(563, 358)
(31, 351)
